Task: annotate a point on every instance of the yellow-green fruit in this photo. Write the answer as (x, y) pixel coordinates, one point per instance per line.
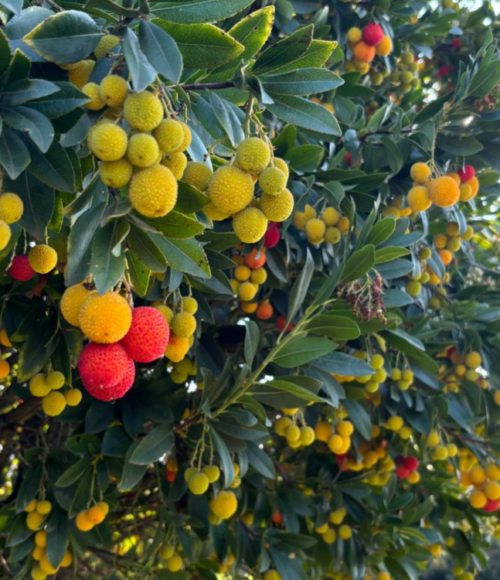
(93, 93)
(197, 174)
(277, 208)
(143, 111)
(186, 139)
(105, 319)
(345, 532)
(42, 258)
(473, 360)
(34, 521)
(178, 378)
(214, 213)
(53, 404)
(212, 472)
(281, 164)
(247, 291)
(166, 312)
(258, 276)
(72, 301)
(272, 575)
(272, 181)
(73, 397)
(420, 172)
(37, 573)
(230, 189)
(183, 324)
(413, 288)
(167, 551)
(46, 566)
(253, 155)
(418, 198)
(332, 235)
(11, 208)
(292, 433)
(250, 225)
(189, 304)
(5, 234)
(307, 436)
(38, 386)
(113, 90)
(453, 244)
(80, 74)
(55, 380)
(153, 191)
(116, 173)
(169, 135)
(44, 507)
(315, 230)
(174, 564)
(105, 45)
(108, 142)
(330, 216)
(224, 505)
(198, 483)
(142, 150)
(176, 162)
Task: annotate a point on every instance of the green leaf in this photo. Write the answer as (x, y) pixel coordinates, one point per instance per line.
(131, 474)
(304, 81)
(263, 389)
(300, 351)
(139, 274)
(156, 443)
(146, 249)
(315, 56)
(381, 231)
(252, 338)
(394, 268)
(14, 155)
(14, 6)
(340, 363)
(142, 73)
(194, 11)
(57, 536)
(406, 344)
(201, 45)
(224, 456)
(260, 460)
(36, 351)
(32, 478)
(25, 90)
(74, 473)
(116, 442)
(65, 37)
(304, 113)
(359, 264)
(459, 145)
(485, 80)
(189, 199)
(284, 51)
(38, 128)
(107, 269)
(160, 50)
(53, 168)
(359, 417)
(175, 225)
(305, 157)
(66, 99)
(227, 119)
(340, 328)
(300, 288)
(390, 253)
(185, 256)
(113, 7)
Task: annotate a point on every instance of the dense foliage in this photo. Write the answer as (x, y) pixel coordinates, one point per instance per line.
(250, 316)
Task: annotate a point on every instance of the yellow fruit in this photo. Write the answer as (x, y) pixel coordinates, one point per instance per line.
(281, 425)
(55, 380)
(292, 433)
(142, 150)
(187, 137)
(116, 173)
(198, 175)
(418, 198)
(420, 172)
(143, 111)
(183, 324)
(492, 490)
(11, 208)
(440, 453)
(247, 291)
(253, 155)
(315, 230)
(242, 273)
(332, 235)
(105, 319)
(433, 439)
(413, 288)
(335, 443)
(413, 477)
(384, 48)
(72, 301)
(166, 312)
(478, 500)
(383, 576)
(250, 225)
(198, 483)
(189, 304)
(174, 564)
(272, 575)
(37, 553)
(42, 259)
(83, 522)
(377, 362)
(91, 90)
(44, 508)
(330, 216)
(323, 431)
(473, 360)
(169, 135)
(38, 386)
(230, 189)
(153, 192)
(108, 142)
(113, 91)
(329, 536)
(345, 532)
(277, 208)
(178, 378)
(345, 428)
(34, 521)
(31, 507)
(81, 73)
(214, 213)
(167, 551)
(53, 404)
(354, 35)
(96, 515)
(38, 574)
(394, 423)
(452, 450)
(177, 348)
(281, 164)
(259, 276)
(272, 181)
(67, 559)
(177, 163)
(73, 397)
(224, 505)
(41, 539)
(477, 475)
(212, 472)
(343, 225)
(493, 472)
(443, 191)
(337, 517)
(307, 436)
(106, 43)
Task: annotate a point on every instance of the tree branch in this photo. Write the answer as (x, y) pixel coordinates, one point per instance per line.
(208, 86)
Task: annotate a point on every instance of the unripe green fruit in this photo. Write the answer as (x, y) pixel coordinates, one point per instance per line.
(406, 78)
(407, 57)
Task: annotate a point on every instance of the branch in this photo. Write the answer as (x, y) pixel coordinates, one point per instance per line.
(209, 86)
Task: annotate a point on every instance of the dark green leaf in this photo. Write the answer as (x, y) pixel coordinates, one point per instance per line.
(160, 50)
(193, 11)
(301, 351)
(359, 264)
(156, 443)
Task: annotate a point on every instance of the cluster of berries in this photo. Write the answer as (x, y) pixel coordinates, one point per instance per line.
(464, 367)
(405, 74)
(365, 44)
(330, 534)
(403, 378)
(329, 227)
(231, 190)
(406, 468)
(338, 439)
(198, 481)
(439, 451)
(295, 436)
(11, 211)
(485, 486)
(171, 557)
(48, 387)
(182, 329)
(374, 457)
(86, 520)
(182, 370)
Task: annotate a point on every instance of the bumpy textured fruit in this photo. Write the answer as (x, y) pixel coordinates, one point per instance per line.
(169, 135)
(363, 52)
(148, 336)
(38, 386)
(71, 302)
(315, 230)
(187, 138)
(212, 472)
(80, 74)
(354, 35)
(277, 208)
(105, 319)
(183, 324)
(116, 173)
(5, 234)
(142, 150)
(21, 269)
(108, 142)
(230, 189)
(174, 564)
(373, 34)
(113, 90)
(214, 213)
(253, 155)
(118, 390)
(55, 380)
(189, 304)
(96, 514)
(250, 225)
(53, 404)
(418, 198)
(165, 311)
(224, 505)
(198, 483)
(177, 348)
(443, 191)
(73, 397)
(153, 191)
(247, 291)
(330, 216)
(177, 163)
(281, 164)
(83, 522)
(143, 111)
(197, 174)
(272, 181)
(93, 93)
(4, 369)
(105, 44)
(466, 173)
(42, 258)
(11, 208)
(385, 47)
(420, 172)
(332, 235)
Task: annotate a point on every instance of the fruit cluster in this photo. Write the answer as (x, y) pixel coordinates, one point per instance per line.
(86, 520)
(172, 558)
(182, 328)
(365, 44)
(330, 534)
(485, 486)
(406, 468)
(328, 228)
(48, 387)
(11, 211)
(404, 76)
(198, 480)
(295, 436)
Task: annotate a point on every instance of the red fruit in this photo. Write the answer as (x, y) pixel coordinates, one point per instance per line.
(492, 506)
(411, 463)
(402, 472)
(450, 350)
(280, 323)
(117, 391)
(277, 518)
(373, 34)
(455, 43)
(148, 336)
(444, 71)
(466, 173)
(21, 269)
(348, 159)
(102, 366)
(255, 259)
(171, 475)
(272, 235)
(341, 462)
